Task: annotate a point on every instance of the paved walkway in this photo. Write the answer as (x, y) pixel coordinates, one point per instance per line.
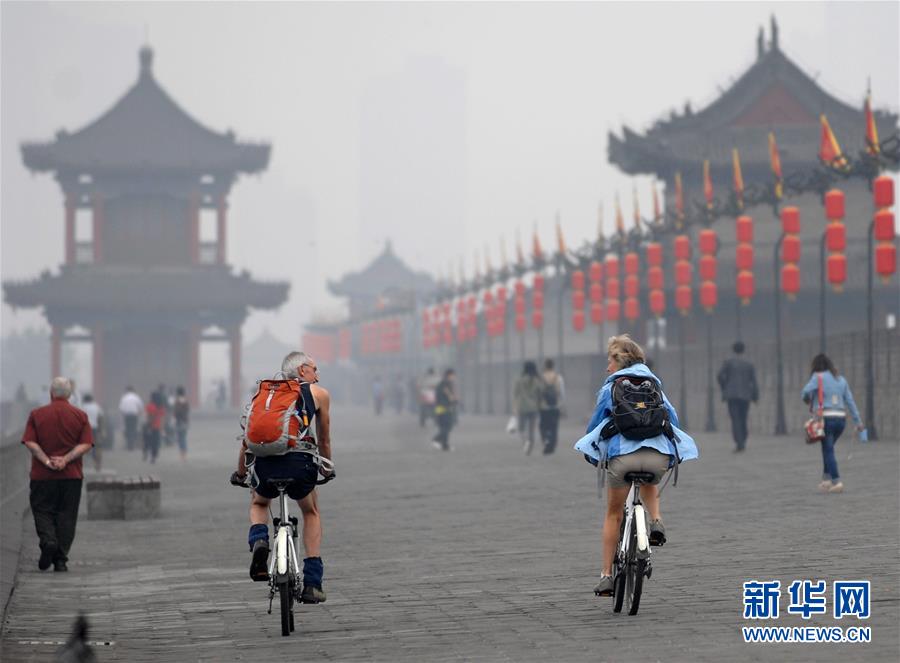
(479, 554)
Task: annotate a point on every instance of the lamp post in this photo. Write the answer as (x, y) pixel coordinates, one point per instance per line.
(780, 424)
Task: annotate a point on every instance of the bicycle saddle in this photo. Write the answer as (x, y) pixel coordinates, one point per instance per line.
(639, 477)
(276, 481)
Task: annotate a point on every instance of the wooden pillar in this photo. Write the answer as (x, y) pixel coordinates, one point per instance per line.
(234, 339)
(98, 219)
(70, 230)
(194, 227)
(55, 351)
(221, 209)
(194, 367)
(97, 364)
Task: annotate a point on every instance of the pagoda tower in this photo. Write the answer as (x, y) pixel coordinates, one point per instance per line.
(144, 289)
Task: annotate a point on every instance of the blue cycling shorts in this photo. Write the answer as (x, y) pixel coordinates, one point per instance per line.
(297, 466)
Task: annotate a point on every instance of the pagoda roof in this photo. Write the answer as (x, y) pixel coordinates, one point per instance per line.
(146, 130)
(126, 289)
(774, 94)
(386, 274)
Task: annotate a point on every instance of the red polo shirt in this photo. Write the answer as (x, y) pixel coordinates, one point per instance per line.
(57, 428)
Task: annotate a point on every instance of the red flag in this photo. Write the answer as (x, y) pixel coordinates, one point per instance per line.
(707, 185)
(560, 242)
(637, 210)
(775, 160)
(829, 149)
(620, 223)
(738, 178)
(679, 198)
(872, 145)
(656, 214)
(536, 251)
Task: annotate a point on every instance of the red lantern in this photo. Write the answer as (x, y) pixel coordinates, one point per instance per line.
(744, 228)
(632, 286)
(657, 302)
(596, 292)
(790, 279)
(790, 249)
(537, 299)
(744, 257)
(790, 221)
(596, 271)
(473, 303)
(597, 313)
(612, 309)
(885, 259)
(837, 269)
(655, 278)
(834, 204)
(520, 322)
(835, 237)
(709, 295)
(538, 283)
(487, 298)
(578, 320)
(519, 305)
(884, 225)
(707, 240)
(654, 254)
(578, 299)
(537, 318)
(501, 294)
(683, 298)
(708, 266)
(519, 289)
(632, 263)
(612, 266)
(682, 246)
(632, 308)
(577, 280)
(683, 271)
(883, 189)
(612, 288)
(745, 286)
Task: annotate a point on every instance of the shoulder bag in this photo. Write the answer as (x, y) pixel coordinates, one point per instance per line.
(815, 425)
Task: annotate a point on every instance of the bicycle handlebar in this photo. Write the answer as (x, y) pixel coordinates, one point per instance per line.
(243, 482)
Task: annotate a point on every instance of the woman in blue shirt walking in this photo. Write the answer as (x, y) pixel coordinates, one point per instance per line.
(836, 401)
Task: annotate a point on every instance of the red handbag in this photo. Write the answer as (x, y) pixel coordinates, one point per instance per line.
(815, 425)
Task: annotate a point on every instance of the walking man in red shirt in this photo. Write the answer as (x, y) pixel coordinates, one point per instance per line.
(57, 435)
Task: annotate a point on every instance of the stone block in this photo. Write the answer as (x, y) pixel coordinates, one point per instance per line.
(140, 497)
(104, 499)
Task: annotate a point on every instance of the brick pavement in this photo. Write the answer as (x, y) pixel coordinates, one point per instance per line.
(479, 554)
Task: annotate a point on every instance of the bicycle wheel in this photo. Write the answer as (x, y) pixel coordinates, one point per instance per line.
(284, 592)
(619, 572)
(634, 583)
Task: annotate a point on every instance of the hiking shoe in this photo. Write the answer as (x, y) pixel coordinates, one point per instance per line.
(657, 533)
(60, 566)
(605, 587)
(837, 487)
(47, 555)
(312, 594)
(824, 486)
(259, 571)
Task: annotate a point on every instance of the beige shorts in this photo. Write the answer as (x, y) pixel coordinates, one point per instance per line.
(642, 460)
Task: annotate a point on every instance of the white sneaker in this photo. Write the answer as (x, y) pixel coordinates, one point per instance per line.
(436, 445)
(837, 488)
(824, 486)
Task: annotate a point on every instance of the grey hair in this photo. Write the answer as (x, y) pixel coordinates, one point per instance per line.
(290, 365)
(61, 387)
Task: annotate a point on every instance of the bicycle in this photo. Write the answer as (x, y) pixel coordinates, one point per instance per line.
(285, 572)
(632, 561)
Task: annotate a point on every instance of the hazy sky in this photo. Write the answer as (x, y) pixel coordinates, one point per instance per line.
(542, 84)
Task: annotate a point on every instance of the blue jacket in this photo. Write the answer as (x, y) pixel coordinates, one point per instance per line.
(597, 450)
(836, 392)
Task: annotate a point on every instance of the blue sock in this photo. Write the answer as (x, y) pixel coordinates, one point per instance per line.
(313, 570)
(257, 533)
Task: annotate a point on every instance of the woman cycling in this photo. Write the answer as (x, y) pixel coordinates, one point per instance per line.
(836, 400)
(617, 454)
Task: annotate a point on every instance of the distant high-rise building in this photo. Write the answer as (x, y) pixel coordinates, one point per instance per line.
(412, 181)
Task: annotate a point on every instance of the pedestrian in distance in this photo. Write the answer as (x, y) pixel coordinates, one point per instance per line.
(737, 380)
(181, 410)
(130, 407)
(619, 440)
(830, 392)
(427, 389)
(527, 403)
(57, 435)
(155, 417)
(378, 395)
(552, 392)
(95, 418)
(445, 409)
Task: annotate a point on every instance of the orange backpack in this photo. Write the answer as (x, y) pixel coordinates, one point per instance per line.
(272, 423)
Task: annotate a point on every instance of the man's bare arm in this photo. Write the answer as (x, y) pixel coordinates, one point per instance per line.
(38, 453)
(75, 453)
(323, 421)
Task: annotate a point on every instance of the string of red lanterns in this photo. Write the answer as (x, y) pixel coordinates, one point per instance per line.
(611, 271)
(709, 244)
(537, 301)
(683, 273)
(632, 286)
(655, 278)
(790, 251)
(595, 274)
(519, 306)
(744, 284)
(578, 300)
(835, 239)
(885, 249)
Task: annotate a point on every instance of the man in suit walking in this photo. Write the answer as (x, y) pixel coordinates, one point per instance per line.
(737, 379)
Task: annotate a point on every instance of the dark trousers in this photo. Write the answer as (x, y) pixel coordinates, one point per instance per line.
(737, 410)
(152, 438)
(549, 425)
(444, 424)
(131, 431)
(834, 426)
(54, 504)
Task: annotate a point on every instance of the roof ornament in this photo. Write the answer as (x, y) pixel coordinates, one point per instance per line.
(774, 44)
(145, 56)
(760, 44)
